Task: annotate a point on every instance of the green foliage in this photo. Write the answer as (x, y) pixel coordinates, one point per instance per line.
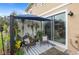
(19, 52)
(6, 35)
(36, 26)
(0, 43)
(5, 38)
(16, 28)
(39, 35)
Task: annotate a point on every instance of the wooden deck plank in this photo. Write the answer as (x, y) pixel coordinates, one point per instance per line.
(38, 49)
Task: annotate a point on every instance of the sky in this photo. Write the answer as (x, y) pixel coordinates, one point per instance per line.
(7, 8)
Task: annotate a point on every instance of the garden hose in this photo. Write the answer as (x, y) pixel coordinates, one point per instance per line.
(74, 45)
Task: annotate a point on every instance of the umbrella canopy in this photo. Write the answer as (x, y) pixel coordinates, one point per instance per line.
(31, 17)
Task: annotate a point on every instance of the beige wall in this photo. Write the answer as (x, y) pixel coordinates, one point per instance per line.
(73, 26)
(73, 22)
(40, 8)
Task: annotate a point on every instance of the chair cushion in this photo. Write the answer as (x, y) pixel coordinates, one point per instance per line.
(27, 40)
(45, 38)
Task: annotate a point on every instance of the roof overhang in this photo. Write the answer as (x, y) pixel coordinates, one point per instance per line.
(29, 6)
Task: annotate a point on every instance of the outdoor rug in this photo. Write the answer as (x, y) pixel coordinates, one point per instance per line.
(53, 51)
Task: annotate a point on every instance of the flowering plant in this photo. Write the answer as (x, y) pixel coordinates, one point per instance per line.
(18, 44)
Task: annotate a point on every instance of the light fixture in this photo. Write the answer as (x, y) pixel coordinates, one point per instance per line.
(70, 13)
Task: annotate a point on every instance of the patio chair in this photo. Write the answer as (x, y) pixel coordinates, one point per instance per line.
(44, 40)
(26, 43)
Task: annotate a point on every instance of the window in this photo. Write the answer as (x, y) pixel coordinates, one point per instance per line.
(48, 28)
(56, 29)
(59, 28)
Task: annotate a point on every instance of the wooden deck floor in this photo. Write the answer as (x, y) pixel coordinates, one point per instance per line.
(37, 49)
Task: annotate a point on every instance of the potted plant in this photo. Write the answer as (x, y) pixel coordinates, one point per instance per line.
(32, 40)
(40, 34)
(18, 49)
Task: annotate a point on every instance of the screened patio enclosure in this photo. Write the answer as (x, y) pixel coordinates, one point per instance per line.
(23, 18)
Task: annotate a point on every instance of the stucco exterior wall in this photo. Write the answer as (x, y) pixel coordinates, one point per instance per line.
(39, 8)
(73, 27)
(73, 22)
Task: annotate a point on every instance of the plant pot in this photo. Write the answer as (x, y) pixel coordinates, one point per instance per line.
(44, 38)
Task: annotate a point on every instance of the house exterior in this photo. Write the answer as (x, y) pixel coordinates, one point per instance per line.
(63, 30)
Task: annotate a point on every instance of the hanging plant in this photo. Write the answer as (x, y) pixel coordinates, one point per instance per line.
(32, 26)
(28, 25)
(36, 26)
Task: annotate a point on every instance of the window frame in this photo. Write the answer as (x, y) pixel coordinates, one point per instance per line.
(58, 25)
(66, 33)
